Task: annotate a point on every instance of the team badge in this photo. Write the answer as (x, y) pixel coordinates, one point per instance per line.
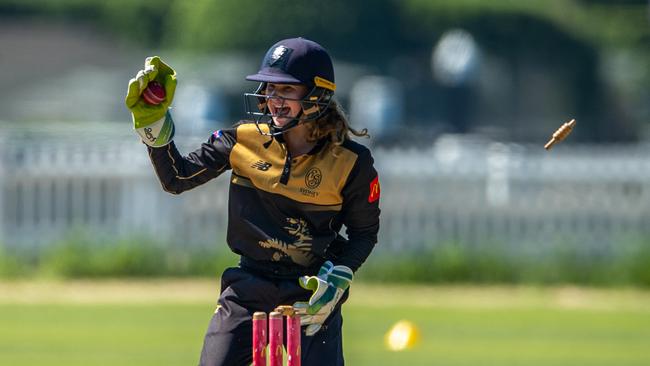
(374, 190)
(313, 178)
(277, 55)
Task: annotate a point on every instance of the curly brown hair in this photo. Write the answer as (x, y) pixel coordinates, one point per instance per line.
(333, 125)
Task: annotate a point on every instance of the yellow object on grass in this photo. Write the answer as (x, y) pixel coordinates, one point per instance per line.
(403, 335)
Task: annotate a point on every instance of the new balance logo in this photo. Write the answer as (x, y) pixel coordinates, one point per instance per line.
(261, 165)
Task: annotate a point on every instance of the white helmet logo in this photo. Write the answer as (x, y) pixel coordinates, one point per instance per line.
(278, 52)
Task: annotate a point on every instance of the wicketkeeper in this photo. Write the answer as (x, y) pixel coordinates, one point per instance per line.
(296, 179)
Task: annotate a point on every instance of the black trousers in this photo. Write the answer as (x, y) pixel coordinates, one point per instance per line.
(229, 338)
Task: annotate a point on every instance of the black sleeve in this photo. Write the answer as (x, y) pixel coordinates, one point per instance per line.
(360, 212)
(181, 173)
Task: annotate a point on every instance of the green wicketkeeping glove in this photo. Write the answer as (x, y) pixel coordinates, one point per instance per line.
(328, 287)
(153, 123)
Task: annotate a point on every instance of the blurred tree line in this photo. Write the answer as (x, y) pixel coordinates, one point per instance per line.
(565, 39)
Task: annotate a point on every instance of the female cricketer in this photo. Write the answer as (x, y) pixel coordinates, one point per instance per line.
(297, 178)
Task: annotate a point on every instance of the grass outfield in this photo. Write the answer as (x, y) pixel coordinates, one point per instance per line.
(162, 323)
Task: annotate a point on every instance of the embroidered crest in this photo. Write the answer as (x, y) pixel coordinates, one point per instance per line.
(313, 178)
(278, 54)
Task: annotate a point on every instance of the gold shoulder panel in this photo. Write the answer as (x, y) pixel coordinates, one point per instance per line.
(315, 179)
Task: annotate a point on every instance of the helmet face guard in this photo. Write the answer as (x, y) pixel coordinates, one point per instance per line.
(313, 106)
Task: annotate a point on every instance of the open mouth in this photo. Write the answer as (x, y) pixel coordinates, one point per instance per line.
(282, 112)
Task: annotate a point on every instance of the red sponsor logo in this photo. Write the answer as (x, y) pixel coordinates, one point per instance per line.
(374, 190)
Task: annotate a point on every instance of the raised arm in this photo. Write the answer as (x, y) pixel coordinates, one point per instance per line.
(149, 96)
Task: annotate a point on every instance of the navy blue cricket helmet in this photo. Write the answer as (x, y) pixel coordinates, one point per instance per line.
(293, 61)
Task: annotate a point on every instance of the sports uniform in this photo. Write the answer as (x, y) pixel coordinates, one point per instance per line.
(284, 216)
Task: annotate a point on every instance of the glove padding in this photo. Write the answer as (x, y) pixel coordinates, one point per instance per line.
(152, 122)
(328, 287)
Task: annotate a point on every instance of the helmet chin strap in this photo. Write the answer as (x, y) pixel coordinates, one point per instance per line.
(276, 132)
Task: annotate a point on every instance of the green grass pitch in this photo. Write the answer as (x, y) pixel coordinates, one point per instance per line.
(458, 326)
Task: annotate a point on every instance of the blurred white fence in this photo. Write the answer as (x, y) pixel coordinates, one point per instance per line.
(463, 190)
(523, 197)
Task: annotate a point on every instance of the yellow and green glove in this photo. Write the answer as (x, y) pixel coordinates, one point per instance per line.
(328, 286)
(153, 123)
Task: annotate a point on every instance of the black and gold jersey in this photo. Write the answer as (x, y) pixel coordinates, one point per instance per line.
(283, 210)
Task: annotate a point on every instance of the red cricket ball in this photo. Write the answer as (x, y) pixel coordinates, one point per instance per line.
(154, 94)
